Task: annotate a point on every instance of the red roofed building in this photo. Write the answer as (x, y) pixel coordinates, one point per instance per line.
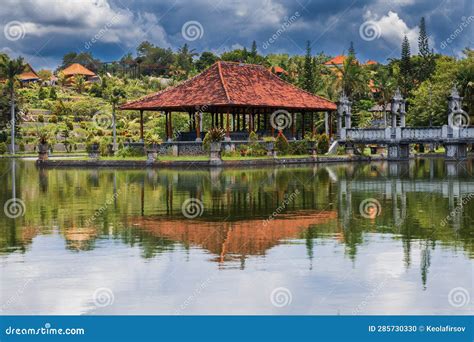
(240, 98)
(77, 69)
(28, 75)
(336, 61)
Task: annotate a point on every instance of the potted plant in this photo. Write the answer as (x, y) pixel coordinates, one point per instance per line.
(152, 142)
(43, 145)
(270, 146)
(93, 147)
(216, 135)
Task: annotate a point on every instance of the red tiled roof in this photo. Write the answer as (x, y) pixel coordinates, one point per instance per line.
(229, 84)
(277, 70)
(338, 60)
(28, 74)
(371, 62)
(77, 69)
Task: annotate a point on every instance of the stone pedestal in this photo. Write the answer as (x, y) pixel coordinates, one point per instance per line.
(398, 152)
(456, 150)
(271, 152)
(43, 152)
(215, 154)
(152, 155)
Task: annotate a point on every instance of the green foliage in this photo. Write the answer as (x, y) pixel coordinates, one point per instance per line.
(216, 134)
(52, 93)
(40, 118)
(281, 144)
(3, 148)
(406, 75)
(41, 93)
(299, 147)
(323, 144)
(21, 146)
(53, 119)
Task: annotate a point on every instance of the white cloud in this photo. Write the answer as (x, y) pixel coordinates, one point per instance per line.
(393, 29)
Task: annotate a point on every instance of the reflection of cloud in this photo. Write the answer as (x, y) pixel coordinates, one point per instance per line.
(63, 282)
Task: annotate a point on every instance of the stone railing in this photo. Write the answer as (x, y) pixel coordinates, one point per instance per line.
(421, 133)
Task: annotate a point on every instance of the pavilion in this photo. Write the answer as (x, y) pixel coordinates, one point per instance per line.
(240, 98)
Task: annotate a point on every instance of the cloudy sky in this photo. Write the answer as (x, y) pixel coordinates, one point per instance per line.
(44, 30)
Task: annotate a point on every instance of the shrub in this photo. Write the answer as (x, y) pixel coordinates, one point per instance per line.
(21, 146)
(69, 125)
(299, 147)
(3, 148)
(281, 144)
(253, 137)
(53, 119)
(52, 93)
(323, 144)
(40, 118)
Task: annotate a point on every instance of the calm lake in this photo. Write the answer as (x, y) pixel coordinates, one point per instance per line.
(381, 238)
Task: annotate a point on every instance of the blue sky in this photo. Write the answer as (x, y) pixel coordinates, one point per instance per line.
(44, 30)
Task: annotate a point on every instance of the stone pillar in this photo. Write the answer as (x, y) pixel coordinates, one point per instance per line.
(344, 107)
(398, 151)
(398, 109)
(326, 123)
(456, 150)
(198, 116)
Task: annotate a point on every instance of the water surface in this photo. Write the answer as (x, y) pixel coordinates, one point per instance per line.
(384, 238)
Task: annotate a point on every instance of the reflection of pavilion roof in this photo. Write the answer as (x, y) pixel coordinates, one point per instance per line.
(229, 84)
(227, 239)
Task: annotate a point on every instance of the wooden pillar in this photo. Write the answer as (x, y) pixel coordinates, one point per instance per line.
(293, 125)
(313, 128)
(190, 125)
(198, 125)
(228, 125)
(170, 123)
(141, 125)
(167, 126)
(302, 126)
(251, 117)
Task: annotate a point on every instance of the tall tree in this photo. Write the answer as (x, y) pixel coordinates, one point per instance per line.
(405, 67)
(308, 78)
(114, 98)
(11, 68)
(253, 51)
(351, 51)
(427, 63)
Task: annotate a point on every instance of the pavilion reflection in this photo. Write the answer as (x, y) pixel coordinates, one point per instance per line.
(235, 240)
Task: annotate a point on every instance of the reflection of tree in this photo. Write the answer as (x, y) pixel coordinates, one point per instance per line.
(69, 198)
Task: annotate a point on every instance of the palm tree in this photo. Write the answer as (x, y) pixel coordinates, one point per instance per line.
(114, 98)
(352, 77)
(384, 83)
(11, 68)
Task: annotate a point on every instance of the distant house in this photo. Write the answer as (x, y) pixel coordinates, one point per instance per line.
(77, 69)
(371, 62)
(336, 61)
(278, 70)
(28, 75)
